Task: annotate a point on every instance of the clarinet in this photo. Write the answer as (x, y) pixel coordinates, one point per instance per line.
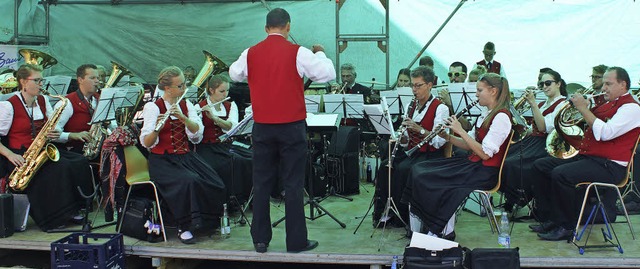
(401, 129)
(437, 130)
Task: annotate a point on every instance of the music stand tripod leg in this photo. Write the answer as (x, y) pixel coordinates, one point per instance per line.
(365, 214)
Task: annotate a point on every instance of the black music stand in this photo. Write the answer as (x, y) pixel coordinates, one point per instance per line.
(313, 103)
(463, 94)
(347, 105)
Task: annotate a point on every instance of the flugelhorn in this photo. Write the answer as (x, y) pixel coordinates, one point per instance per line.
(521, 105)
(162, 119)
(436, 130)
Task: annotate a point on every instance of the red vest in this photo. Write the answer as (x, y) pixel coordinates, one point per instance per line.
(213, 132)
(21, 134)
(617, 149)
(427, 123)
(481, 132)
(495, 66)
(172, 138)
(550, 109)
(82, 113)
(277, 92)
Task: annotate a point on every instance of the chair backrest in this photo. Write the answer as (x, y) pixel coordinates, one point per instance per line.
(629, 166)
(504, 157)
(137, 165)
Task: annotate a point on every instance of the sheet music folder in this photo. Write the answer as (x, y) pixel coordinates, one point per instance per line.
(112, 99)
(323, 122)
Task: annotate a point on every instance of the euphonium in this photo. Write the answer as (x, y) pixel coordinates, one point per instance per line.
(38, 152)
(38, 58)
(164, 117)
(212, 66)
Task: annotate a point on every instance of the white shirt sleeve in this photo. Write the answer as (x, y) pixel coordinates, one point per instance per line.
(150, 114)
(193, 116)
(498, 131)
(6, 117)
(238, 70)
(626, 118)
(64, 118)
(316, 67)
(549, 119)
(442, 112)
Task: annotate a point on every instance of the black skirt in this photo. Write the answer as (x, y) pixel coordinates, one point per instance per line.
(192, 190)
(234, 169)
(518, 175)
(435, 188)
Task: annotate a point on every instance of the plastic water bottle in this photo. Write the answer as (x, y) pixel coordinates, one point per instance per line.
(225, 227)
(394, 263)
(504, 239)
(369, 172)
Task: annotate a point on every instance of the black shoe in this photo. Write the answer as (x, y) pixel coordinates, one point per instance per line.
(311, 244)
(544, 227)
(261, 247)
(557, 234)
(450, 236)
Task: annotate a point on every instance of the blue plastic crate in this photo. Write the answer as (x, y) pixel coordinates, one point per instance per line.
(88, 250)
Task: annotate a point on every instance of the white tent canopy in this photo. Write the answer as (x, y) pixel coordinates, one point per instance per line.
(570, 36)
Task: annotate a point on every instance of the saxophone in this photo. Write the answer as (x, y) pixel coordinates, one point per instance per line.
(38, 152)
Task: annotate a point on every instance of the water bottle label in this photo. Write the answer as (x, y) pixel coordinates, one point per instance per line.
(504, 241)
(227, 230)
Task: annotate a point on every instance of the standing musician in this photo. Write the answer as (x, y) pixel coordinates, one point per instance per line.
(518, 167)
(53, 190)
(424, 113)
(234, 169)
(193, 190)
(493, 66)
(604, 154)
(435, 188)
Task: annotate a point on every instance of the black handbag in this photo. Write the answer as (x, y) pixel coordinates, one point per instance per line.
(503, 258)
(138, 212)
(419, 258)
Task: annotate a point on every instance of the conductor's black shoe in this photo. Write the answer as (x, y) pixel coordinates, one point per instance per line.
(557, 234)
(544, 227)
(261, 247)
(311, 244)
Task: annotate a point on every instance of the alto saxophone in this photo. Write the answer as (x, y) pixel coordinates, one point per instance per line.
(38, 152)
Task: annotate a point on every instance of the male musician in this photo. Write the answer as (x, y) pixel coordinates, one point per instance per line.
(75, 118)
(189, 73)
(102, 74)
(423, 114)
(428, 61)
(348, 75)
(274, 69)
(604, 154)
(492, 65)
(457, 74)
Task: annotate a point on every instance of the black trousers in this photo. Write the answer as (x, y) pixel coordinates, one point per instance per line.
(279, 150)
(556, 196)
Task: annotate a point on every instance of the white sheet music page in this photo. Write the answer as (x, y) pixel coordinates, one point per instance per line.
(312, 102)
(377, 118)
(323, 119)
(463, 94)
(393, 100)
(351, 104)
(406, 95)
(57, 85)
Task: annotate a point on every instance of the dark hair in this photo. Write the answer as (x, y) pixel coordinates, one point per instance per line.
(25, 71)
(489, 46)
(278, 18)
(215, 82)
(621, 75)
(504, 96)
(459, 64)
(425, 72)
(426, 60)
(557, 78)
(404, 71)
(600, 69)
(82, 70)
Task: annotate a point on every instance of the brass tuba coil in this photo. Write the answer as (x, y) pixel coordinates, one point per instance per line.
(38, 152)
(212, 66)
(38, 58)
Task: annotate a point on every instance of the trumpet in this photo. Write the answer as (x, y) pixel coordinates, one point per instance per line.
(162, 119)
(200, 109)
(521, 105)
(342, 88)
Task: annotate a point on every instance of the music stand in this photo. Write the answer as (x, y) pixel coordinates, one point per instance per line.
(192, 94)
(394, 101)
(313, 103)
(406, 96)
(56, 85)
(318, 123)
(348, 105)
(463, 94)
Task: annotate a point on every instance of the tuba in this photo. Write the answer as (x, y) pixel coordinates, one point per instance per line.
(212, 66)
(38, 58)
(38, 152)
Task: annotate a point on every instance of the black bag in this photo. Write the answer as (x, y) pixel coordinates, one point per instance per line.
(138, 212)
(503, 258)
(419, 258)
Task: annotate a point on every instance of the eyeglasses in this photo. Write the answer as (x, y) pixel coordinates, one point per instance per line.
(417, 85)
(37, 80)
(595, 77)
(545, 83)
(456, 74)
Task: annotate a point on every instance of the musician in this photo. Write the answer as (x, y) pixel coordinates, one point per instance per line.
(597, 73)
(189, 73)
(428, 61)
(475, 74)
(102, 74)
(603, 156)
(234, 169)
(348, 75)
(274, 69)
(424, 113)
(404, 78)
(435, 188)
(457, 74)
(52, 192)
(518, 172)
(193, 190)
(492, 65)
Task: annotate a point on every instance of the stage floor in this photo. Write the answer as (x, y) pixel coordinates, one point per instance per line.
(341, 246)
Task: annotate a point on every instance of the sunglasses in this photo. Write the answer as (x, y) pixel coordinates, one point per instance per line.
(595, 77)
(456, 74)
(545, 83)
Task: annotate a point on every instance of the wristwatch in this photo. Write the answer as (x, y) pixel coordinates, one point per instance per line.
(423, 131)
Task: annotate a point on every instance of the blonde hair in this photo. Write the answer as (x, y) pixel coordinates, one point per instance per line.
(504, 97)
(167, 74)
(25, 72)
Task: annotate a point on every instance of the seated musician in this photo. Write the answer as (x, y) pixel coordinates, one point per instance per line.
(53, 190)
(428, 61)
(603, 156)
(423, 114)
(475, 73)
(348, 75)
(234, 169)
(518, 167)
(193, 190)
(435, 188)
(457, 74)
(404, 78)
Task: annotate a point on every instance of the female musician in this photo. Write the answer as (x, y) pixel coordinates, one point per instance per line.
(193, 190)
(436, 188)
(234, 169)
(404, 78)
(53, 190)
(423, 114)
(518, 167)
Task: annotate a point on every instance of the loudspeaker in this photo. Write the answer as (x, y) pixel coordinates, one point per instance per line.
(347, 139)
(6, 215)
(343, 173)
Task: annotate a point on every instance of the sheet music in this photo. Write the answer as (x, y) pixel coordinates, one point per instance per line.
(244, 127)
(406, 95)
(110, 99)
(124, 81)
(458, 91)
(352, 104)
(312, 102)
(192, 94)
(131, 95)
(377, 118)
(57, 85)
(393, 100)
(323, 120)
